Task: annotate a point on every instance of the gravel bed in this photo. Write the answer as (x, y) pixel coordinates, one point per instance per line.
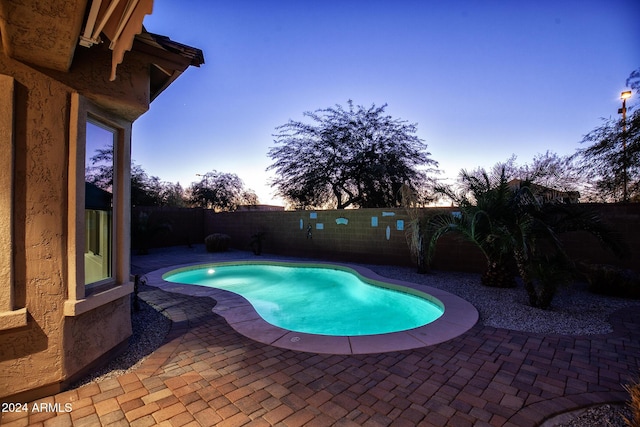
(573, 311)
(149, 330)
(604, 415)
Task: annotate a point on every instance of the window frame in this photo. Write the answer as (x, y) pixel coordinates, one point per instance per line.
(100, 122)
(10, 316)
(81, 297)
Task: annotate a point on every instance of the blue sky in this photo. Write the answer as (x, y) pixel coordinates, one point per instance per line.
(482, 79)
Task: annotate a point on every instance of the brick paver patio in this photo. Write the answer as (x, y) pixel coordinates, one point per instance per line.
(208, 374)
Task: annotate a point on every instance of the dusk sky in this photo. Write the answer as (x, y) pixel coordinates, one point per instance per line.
(482, 79)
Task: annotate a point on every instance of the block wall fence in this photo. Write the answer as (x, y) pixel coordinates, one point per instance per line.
(376, 236)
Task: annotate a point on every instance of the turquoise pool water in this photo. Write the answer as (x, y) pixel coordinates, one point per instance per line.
(317, 300)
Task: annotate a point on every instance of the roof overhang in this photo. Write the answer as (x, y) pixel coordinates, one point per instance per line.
(41, 33)
(168, 59)
(46, 34)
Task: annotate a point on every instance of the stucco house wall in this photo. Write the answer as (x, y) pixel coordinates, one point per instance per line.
(38, 228)
(53, 328)
(33, 356)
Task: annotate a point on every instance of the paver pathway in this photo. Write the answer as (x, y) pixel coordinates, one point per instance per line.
(208, 374)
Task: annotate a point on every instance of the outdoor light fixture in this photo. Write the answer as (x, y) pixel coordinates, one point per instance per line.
(624, 96)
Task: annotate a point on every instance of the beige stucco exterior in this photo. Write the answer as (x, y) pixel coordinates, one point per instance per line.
(52, 328)
(52, 347)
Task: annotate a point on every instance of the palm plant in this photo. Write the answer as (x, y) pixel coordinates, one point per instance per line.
(485, 212)
(539, 252)
(419, 227)
(511, 225)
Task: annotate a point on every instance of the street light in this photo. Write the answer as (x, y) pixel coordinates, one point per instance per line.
(624, 96)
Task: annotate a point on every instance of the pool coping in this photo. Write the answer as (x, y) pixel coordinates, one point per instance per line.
(459, 315)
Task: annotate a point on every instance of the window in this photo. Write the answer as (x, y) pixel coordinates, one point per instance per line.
(98, 201)
(98, 206)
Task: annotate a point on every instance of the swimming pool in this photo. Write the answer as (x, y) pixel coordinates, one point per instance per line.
(317, 299)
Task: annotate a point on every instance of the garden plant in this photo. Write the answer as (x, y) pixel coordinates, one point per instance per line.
(514, 227)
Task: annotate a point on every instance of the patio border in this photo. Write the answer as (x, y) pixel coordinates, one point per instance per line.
(459, 315)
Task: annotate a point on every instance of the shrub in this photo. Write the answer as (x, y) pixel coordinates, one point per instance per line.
(634, 404)
(217, 242)
(613, 281)
(256, 242)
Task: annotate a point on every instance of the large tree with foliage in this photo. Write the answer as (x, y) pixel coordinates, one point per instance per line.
(546, 170)
(612, 159)
(550, 170)
(145, 189)
(221, 191)
(172, 195)
(353, 157)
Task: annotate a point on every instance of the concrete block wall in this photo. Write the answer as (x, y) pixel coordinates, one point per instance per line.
(377, 236)
(359, 241)
(185, 226)
(625, 219)
(331, 234)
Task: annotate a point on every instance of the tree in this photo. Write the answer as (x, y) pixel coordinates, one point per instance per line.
(145, 190)
(221, 191)
(613, 153)
(100, 173)
(552, 171)
(172, 195)
(633, 81)
(612, 160)
(354, 157)
(548, 170)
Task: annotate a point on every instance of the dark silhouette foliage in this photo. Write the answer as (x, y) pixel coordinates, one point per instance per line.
(354, 157)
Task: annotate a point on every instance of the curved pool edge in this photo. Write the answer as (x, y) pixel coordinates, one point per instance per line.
(459, 315)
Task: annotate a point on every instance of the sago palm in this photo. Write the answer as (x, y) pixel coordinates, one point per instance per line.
(486, 209)
(511, 224)
(539, 252)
